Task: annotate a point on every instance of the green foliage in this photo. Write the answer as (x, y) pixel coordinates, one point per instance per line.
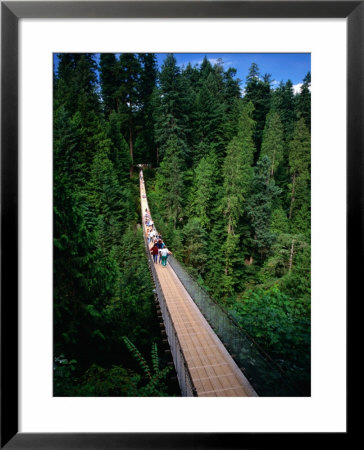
(237, 169)
(279, 221)
(141, 361)
(273, 143)
(299, 164)
(257, 91)
(303, 102)
(210, 112)
(63, 375)
(262, 195)
(119, 150)
(237, 177)
(195, 252)
(299, 149)
(102, 286)
(283, 103)
(114, 382)
(173, 105)
(109, 81)
(170, 182)
(281, 325)
(94, 382)
(154, 375)
(204, 190)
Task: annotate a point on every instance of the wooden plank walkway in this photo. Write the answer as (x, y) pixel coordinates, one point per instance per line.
(214, 373)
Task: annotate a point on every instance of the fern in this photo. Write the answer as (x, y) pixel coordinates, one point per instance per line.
(158, 375)
(137, 355)
(155, 359)
(152, 387)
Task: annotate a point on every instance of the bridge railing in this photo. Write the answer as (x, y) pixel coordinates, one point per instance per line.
(264, 375)
(183, 374)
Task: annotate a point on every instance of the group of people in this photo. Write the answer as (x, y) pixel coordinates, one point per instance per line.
(158, 249)
(149, 225)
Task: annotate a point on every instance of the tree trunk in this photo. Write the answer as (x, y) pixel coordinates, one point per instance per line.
(272, 170)
(131, 150)
(292, 198)
(230, 227)
(249, 261)
(291, 257)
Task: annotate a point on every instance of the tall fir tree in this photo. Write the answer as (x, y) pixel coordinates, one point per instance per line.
(204, 190)
(273, 144)
(110, 80)
(170, 182)
(144, 143)
(303, 102)
(237, 175)
(299, 163)
(171, 116)
(259, 206)
(129, 98)
(283, 102)
(210, 114)
(257, 91)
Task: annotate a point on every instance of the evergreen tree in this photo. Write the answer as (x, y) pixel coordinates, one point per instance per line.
(64, 88)
(170, 183)
(210, 113)
(76, 84)
(168, 119)
(129, 98)
(144, 143)
(284, 103)
(119, 150)
(237, 169)
(86, 85)
(258, 92)
(195, 252)
(170, 114)
(105, 195)
(69, 160)
(273, 144)
(237, 174)
(193, 75)
(232, 97)
(203, 191)
(110, 80)
(259, 204)
(304, 101)
(299, 162)
(231, 87)
(205, 70)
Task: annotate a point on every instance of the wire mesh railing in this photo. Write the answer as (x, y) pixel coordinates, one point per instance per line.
(265, 376)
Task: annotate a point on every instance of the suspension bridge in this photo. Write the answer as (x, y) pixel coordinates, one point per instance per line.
(196, 327)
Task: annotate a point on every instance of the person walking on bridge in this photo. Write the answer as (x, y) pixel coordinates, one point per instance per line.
(164, 255)
(160, 245)
(151, 235)
(154, 251)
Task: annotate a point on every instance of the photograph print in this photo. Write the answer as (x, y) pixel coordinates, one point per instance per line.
(182, 225)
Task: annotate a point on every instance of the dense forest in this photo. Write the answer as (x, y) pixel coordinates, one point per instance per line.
(228, 184)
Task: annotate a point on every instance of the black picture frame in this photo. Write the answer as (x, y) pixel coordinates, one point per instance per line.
(11, 12)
